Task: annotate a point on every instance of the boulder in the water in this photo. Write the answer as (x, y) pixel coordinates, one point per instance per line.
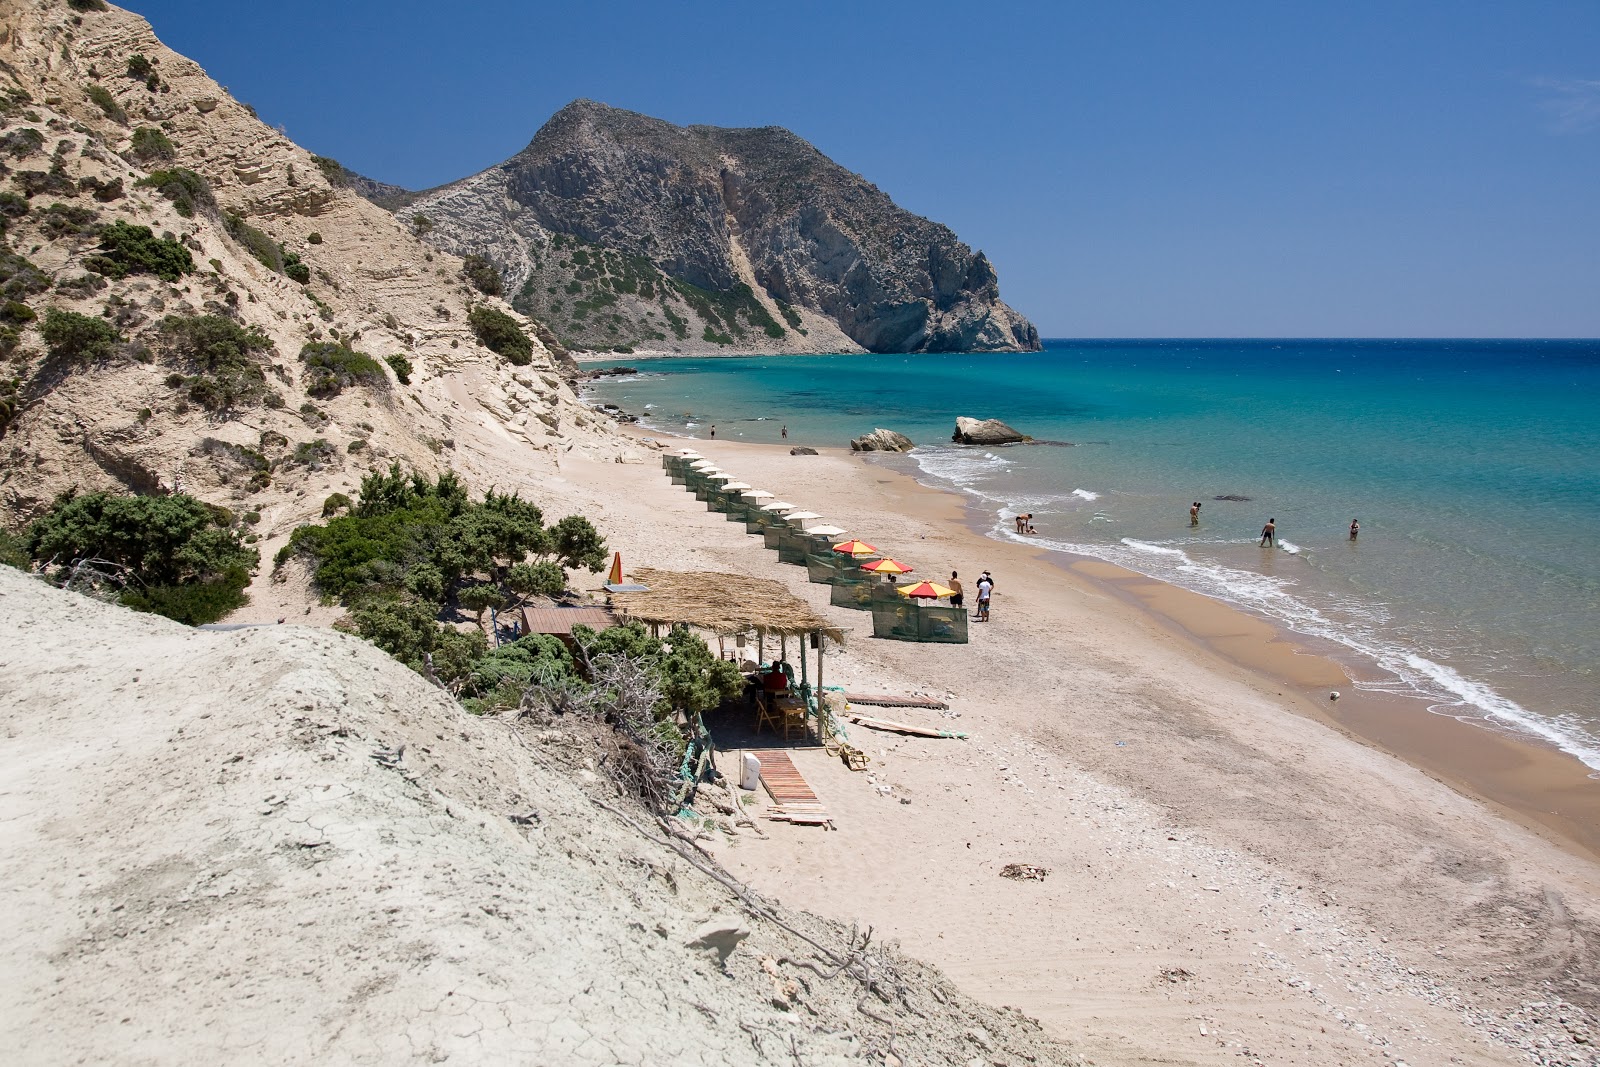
(985, 432)
(881, 440)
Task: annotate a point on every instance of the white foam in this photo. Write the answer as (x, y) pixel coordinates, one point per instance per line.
(1289, 547)
(1086, 494)
(1158, 550)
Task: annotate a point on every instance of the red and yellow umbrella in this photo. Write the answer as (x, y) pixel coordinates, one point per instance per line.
(887, 566)
(856, 548)
(926, 590)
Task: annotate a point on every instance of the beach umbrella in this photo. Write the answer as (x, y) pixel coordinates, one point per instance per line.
(756, 494)
(688, 453)
(615, 577)
(702, 465)
(925, 590)
(734, 486)
(856, 548)
(802, 515)
(887, 566)
(777, 505)
(825, 531)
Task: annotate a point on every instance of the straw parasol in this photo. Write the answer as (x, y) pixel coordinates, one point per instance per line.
(721, 603)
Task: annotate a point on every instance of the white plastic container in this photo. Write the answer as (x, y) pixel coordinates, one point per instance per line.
(750, 772)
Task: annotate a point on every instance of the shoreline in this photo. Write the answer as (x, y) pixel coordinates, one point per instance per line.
(1228, 868)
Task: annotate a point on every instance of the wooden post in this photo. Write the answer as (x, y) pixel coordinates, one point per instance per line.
(822, 696)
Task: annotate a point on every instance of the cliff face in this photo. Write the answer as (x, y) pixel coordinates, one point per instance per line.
(616, 228)
(103, 128)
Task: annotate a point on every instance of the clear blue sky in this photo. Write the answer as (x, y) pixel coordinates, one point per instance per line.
(1355, 168)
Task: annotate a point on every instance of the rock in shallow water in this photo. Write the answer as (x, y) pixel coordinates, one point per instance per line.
(881, 440)
(984, 432)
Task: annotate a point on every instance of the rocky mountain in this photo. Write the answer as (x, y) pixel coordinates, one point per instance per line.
(624, 232)
(189, 299)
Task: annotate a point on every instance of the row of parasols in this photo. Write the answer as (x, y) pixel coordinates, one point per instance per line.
(865, 556)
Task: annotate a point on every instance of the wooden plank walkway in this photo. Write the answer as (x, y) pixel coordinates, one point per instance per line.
(884, 700)
(793, 798)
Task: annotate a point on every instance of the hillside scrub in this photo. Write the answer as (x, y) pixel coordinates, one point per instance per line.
(221, 356)
(409, 544)
(78, 339)
(482, 274)
(150, 144)
(188, 191)
(500, 334)
(171, 555)
(269, 253)
(127, 249)
(331, 367)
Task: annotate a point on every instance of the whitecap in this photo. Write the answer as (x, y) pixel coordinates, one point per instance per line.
(1086, 494)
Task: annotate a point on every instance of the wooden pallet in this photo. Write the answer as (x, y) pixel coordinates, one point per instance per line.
(793, 799)
(884, 700)
(904, 727)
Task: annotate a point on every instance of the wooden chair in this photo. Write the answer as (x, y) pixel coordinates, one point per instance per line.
(769, 714)
(794, 718)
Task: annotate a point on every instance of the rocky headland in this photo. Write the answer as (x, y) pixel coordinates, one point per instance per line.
(626, 233)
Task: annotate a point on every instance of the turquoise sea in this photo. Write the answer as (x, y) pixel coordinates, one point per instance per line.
(1473, 466)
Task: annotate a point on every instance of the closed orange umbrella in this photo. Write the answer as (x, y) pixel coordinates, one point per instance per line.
(856, 548)
(887, 566)
(926, 590)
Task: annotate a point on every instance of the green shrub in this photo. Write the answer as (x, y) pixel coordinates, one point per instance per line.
(313, 454)
(140, 69)
(104, 192)
(129, 249)
(78, 338)
(69, 220)
(9, 339)
(20, 279)
(223, 356)
(13, 549)
(499, 333)
(334, 504)
(181, 559)
(16, 313)
(331, 169)
(150, 144)
(401, 367)
(293, 268)
(358, 445)
(481, 274)
(421, 224)
(12, 205)
(314, 238)
(332, 367)
(188, 191)
(106, 102)
(82, 285)
(9, 401)
(266, 251)
(21, 143)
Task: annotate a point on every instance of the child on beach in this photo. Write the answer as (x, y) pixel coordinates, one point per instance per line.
(985, 590)
(1269, 534)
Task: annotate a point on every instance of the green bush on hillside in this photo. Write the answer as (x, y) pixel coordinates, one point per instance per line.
(19, 144)
(269, 253)
(482, 274)
(106, 102)
(331, 367)
(178, 555)
(401, 367)
(150, 144)
(129, 249)
(222, 356)
(20, 279)
(188, 191)
(500, 334)
(78, 339)
(331, 169)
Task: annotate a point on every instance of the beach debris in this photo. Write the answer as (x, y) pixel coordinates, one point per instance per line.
(802, 450)
(881, 440)
(985, 432)
(1333, 695)
(884, 700)
(1176, 974)
(904, 728)
(390, 757)
(720, 937)
(1024, 872)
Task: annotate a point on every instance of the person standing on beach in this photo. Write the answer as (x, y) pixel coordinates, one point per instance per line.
(985, 591)
(1355, 528)
(1194, 513)
(784, 432)
(957, 598)
(1269, 534)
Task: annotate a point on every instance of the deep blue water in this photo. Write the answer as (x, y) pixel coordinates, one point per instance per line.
(1473, 466)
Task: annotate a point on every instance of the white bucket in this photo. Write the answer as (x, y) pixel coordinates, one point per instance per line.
(750, 772)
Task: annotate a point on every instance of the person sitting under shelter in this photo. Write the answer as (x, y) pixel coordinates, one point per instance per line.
(776, 681)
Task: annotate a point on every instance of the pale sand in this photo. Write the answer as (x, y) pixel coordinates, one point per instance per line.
(1229, 872)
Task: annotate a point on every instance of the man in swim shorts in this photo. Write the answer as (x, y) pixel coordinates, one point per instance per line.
(957, 598)
(1269, 534)
(1194, 513)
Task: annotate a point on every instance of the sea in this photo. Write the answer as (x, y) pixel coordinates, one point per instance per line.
(1473, 468)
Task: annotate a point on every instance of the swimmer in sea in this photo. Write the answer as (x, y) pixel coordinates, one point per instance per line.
(1194, 513)
(1355, 528)
(1269, 534)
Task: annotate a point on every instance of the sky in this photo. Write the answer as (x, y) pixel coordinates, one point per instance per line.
(1133, 169)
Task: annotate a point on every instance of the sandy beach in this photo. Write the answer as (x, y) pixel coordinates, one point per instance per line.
(1238, 866)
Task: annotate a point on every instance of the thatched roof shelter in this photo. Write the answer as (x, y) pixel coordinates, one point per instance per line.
(722, 603)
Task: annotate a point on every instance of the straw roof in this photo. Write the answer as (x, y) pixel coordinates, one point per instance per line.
(722, 603)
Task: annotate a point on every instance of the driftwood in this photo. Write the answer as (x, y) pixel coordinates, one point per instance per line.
(903, 728)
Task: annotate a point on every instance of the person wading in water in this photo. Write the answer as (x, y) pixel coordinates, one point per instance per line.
(1269, 534)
